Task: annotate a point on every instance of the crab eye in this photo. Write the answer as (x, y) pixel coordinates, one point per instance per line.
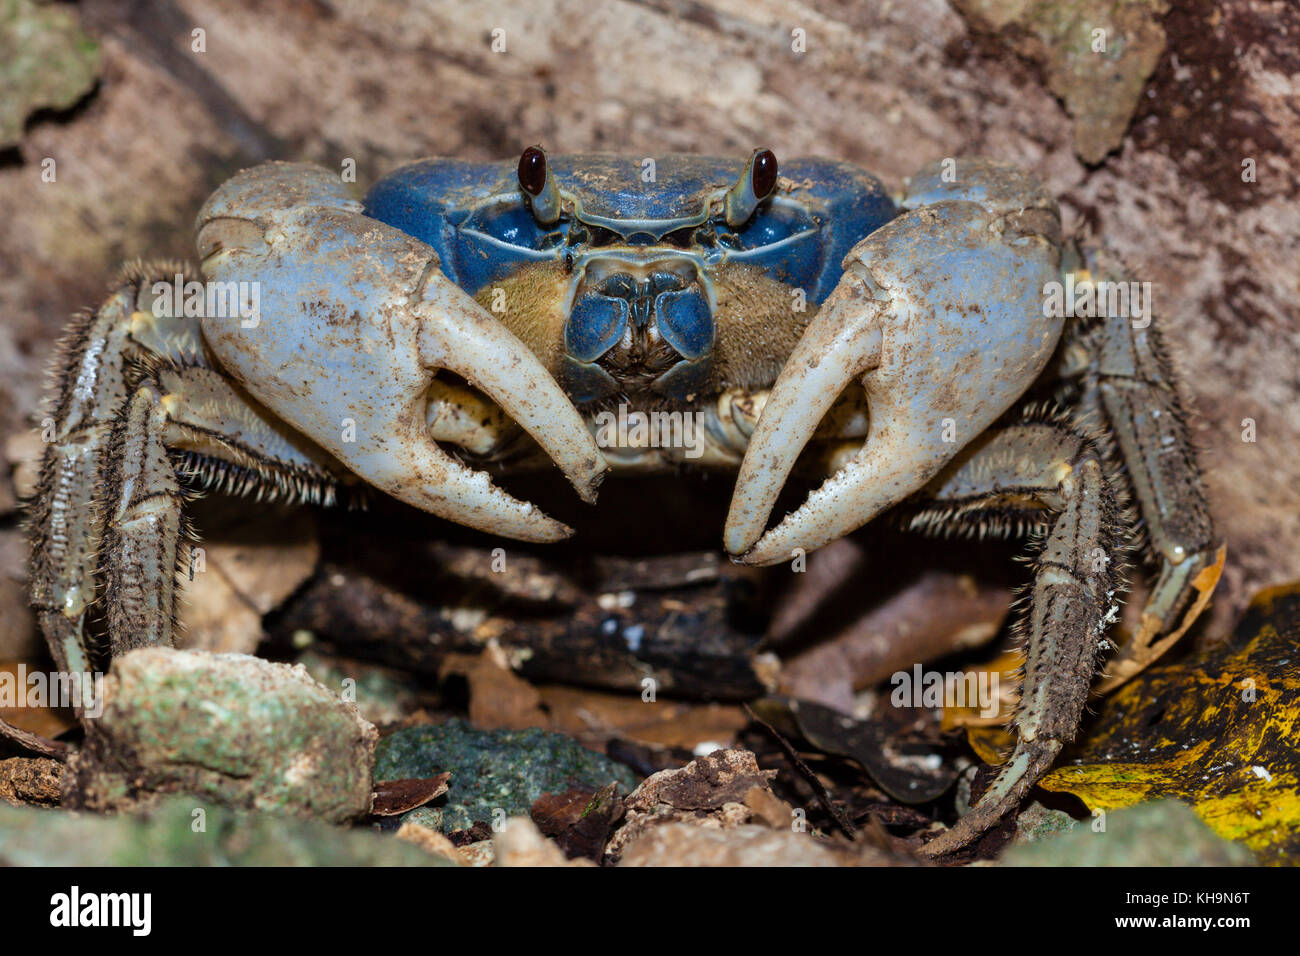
(538, 183)
(532, 171)
(763, 173)
(756, 183)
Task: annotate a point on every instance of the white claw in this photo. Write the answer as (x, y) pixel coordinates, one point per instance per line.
(940, 316)
(356, 319)
(841, 344)
(457, 334)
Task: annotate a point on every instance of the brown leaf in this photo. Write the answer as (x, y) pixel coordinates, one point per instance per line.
(397, 796)
(579, 820)
(768, 807)
(244, 574)
(595, 716)
(936, 613)
(499, 699)
(31, 726)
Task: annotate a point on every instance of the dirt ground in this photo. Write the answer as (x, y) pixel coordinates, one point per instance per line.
(888, 85)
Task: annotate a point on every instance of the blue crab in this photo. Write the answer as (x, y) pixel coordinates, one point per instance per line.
(473, 315)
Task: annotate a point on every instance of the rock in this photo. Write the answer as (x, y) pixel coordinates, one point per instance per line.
(30, 780)
(19, 639)
(383, 695)
(8, 496)
(24, 451)
(480, 853)
(706, 783)
(1097, 56)
(714, 791)
(686, 844)
(181, 832)
(431, 841)
(1159, 833)
(1035, 823)
(46, 62)
(520, 843)
(493, 773)
(229, 728)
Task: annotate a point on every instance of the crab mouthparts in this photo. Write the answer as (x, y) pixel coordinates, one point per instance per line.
(637, 328)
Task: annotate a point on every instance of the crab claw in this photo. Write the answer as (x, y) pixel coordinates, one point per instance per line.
(345, 322)
(940, 315)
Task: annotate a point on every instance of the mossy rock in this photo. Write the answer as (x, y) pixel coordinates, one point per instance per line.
(1159, 833)
(492, 771)
(181, 832)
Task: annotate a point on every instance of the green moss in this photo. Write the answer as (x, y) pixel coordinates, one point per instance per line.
(1159, 833)
(46, 62)
(180, 832)
(491, 771)
(228, 728)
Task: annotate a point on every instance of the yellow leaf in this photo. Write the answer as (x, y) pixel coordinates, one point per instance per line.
(1217, 730)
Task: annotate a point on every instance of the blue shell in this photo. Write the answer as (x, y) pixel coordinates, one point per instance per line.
(644, 213)
(476, 217)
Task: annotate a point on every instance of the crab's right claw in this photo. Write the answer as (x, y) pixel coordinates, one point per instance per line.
(940, 315)
(351, 320)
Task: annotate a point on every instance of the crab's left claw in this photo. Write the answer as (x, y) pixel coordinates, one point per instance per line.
(353, 320)
(940, 315)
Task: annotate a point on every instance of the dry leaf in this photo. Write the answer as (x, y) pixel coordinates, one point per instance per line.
(46, 722)
(241, 576)
(579, 820)
(499, 699)
(1216, 730)
(392, 797)
(584, 713)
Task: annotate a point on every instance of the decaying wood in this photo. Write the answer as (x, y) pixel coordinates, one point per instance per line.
(675, 629)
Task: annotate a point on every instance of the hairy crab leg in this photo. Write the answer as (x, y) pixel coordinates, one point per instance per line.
(65, 526)
(134, 404)
(222, 439)
(1132, 374)
(1116, 373)
(142, 529)
(1036, 470)
(355, 320)
(939, 315)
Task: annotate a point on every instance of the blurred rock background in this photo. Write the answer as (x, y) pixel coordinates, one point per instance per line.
(1144, 142)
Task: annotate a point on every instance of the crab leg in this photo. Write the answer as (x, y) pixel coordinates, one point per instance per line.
(939, 315)
(142, 528)
(1031, 470)
(355, 320)
(1129, 376)
(135, 404)
(65, 527)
